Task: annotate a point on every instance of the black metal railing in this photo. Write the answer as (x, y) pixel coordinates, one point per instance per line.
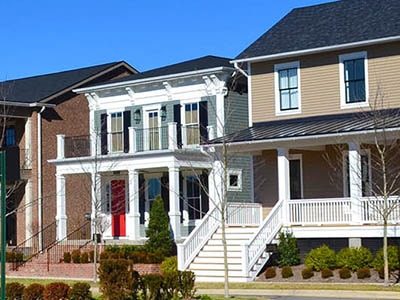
(148, 139)
(31, 247)
(192, 134)
(77, 146)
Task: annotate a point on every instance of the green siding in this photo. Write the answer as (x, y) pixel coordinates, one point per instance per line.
(242, 162)
(236, 112)
(212, 110)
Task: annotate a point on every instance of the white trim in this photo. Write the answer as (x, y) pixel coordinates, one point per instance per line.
(146, 110)
(249, 95)
(342, 59)
(277, 68)
(345, 183)
(109, 133)
(318, 49)
(300, 158)
(238, 173)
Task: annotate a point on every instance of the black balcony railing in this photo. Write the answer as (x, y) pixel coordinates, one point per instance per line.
(77, 146)
(148, 139)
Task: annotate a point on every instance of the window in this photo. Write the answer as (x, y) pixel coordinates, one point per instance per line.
(296, 176)
(194, 198)
(354, 85)
(154, 190)
(234, 180)
(192, 124)
(287, 87)
(154, 131)
(9, 139)
(106, 203)
(365, 174)
(117, 134)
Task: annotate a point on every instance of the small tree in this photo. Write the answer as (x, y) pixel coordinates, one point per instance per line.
(288, 251)
(159, 234)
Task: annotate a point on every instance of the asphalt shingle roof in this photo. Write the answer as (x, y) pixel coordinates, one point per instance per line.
(202, 63)
(319, 125)
(37, 88)
(329, 24)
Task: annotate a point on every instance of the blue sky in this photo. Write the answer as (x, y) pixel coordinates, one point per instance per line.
(48, 36)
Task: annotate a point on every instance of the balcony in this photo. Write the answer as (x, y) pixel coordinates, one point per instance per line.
(140, 140)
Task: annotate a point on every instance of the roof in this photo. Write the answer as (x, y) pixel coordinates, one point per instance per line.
(197, 64)
(329, 24)
(316, 126)
(39, 88)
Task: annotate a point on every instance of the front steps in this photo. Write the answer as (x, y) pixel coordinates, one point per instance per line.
(209, 263)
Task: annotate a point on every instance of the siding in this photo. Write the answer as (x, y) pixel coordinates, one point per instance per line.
(320, 82)
(236, 112)
(212, 110)
(243, 163)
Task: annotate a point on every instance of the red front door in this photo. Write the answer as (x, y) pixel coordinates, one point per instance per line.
(118, 208)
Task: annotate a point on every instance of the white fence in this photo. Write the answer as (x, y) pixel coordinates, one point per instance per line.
(373, 209)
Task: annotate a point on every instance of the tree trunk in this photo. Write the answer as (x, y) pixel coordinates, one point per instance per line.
(226, 275)
(385, 254)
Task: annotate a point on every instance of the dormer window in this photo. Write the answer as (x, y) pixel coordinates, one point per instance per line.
(354, 83)
(287, 88)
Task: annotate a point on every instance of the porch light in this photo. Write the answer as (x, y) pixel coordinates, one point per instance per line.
(163, 113)
(137, 117)
(88, 216)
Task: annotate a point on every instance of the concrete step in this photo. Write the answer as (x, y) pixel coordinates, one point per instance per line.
(237, 229)
(217, 260)
(208, 254)
(228, 242)
(233, 236)
(216, 248)
(215, 267)
(221, 279)
(217, 273)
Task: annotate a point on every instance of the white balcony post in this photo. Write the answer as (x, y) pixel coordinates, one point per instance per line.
(284, 182)
(132, 140)
(174, 209)
(172, 136)
(61, 217)
(211, 133)
(60, 146)
(355, 181)
(133, 227)
(96, 200)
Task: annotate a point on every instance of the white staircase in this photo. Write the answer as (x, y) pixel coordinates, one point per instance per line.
(246, 235)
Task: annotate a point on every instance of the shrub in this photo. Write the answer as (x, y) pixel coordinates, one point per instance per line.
(344, 273)
(33, 292)
(84, 258)
(67, 257)
(104, 255)
(270, 273)
(91, 255)
(115, 278)
(381, 273)
(14, 290)
(76, 256)
(159, 234)
(354, 258)
(326, 273)
(136, 285)
(287, 272)
(56, 291)
(307, 273)
(288, 252)
(10, 256)
(393, 259)
(363, 273)
(152, 286)
(80, 291)
(186, 284)
(321, 258)
(169, 265)
(171, 285)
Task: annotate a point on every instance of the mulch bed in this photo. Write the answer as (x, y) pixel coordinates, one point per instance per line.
(317, 277)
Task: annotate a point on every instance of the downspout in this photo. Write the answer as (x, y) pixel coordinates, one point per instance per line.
(39, 176)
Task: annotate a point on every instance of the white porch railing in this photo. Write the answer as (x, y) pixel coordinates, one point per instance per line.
(253, 250)
(320, 211)
(243, 214)
(239, 214)
(372, 209)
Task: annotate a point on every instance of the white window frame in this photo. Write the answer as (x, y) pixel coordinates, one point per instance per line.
(109, 135)
(277, 68)
(345, 183)
(183, 121)
(300, 158)
(342, 59)
(148, 109)
(238, 173)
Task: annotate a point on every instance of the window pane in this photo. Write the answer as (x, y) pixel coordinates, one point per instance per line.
(360, 90)
(359, 69)
(285, 100)
(294, 102)
(348, 70)
(283, 79)
(293, 78)
(233, 180)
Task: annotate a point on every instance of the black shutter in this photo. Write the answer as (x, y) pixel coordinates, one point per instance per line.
(181, 202)
(103, 134)
(205, 203)
(203, 114)
(177, 120)
(127, 124)
(165, 191)
(142, 197)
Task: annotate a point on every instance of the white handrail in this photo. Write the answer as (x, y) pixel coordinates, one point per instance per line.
(267, 231)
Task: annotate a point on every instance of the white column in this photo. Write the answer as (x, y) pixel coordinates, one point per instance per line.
(132, 140)
(28, 144)
(284, 182)
(28, 209)
(96, 200)
(172, 136)
(216, 184)
(211, 133)
(174, 210)
(60, 146)
(355, 181)
(133, 217)
(92, 132)
(61, 216)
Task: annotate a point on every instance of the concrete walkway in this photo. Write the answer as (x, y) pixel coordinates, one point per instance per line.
(293, 294)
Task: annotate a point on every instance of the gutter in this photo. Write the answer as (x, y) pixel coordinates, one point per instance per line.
(150, 79)
(30, 105)
(317, 50)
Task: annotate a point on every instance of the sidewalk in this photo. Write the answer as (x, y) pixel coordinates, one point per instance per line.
(305, 293)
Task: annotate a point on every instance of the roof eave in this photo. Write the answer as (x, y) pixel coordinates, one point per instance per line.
(24, 104)
(317, 50)
(151, 79)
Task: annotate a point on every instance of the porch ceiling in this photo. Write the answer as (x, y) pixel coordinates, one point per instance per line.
(326, 126)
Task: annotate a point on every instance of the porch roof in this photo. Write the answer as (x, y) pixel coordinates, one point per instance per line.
(326, 125)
